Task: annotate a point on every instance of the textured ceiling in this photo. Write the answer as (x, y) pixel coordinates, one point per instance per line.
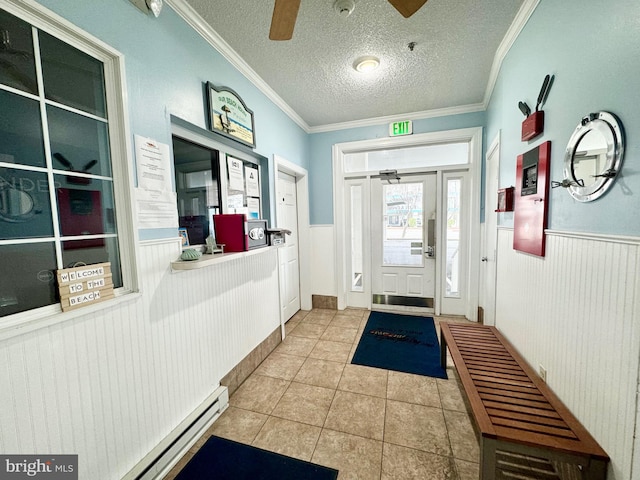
(456, 41)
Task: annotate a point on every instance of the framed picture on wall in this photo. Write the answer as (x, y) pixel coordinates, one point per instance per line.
(185, 236)
(229, 115)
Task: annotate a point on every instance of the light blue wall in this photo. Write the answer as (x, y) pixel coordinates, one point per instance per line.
(593, 49)
(166, 64)
(320, 160)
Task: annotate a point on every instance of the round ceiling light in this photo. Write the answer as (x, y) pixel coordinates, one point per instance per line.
(366, 64)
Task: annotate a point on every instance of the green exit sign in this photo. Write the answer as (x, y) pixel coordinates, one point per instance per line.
(400, 128)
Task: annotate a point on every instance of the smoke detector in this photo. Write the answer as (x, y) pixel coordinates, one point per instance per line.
(344, 7)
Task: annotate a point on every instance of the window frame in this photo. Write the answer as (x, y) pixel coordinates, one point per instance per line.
(120, 145)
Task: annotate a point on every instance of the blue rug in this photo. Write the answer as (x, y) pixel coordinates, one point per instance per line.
(223, 459)
(403, 343)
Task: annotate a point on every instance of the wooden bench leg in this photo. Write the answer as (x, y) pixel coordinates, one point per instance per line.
(443, 352)
(487, 458)
(597, 470)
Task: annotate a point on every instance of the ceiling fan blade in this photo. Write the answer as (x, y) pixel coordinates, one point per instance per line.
(284, 19)
(407, 7)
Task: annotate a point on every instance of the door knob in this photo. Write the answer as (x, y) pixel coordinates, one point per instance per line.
(430, 251)
(484, 259)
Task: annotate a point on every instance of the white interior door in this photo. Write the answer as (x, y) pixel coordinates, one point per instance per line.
(491, 235)
(289, 265)
(403, 233)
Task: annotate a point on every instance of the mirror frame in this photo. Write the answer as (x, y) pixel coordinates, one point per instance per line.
(611, 128)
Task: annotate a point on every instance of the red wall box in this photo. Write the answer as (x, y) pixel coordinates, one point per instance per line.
(532, 190)
(533, 125)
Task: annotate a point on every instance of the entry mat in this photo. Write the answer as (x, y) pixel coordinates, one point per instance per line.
(404, 343)
(222, 459)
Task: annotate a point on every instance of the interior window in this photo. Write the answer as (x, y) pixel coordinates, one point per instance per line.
(197, 187)
(57, 206)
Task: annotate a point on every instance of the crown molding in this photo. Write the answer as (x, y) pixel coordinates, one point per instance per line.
(368, 122)
(189, 15)
(522, 17)
(196, 22)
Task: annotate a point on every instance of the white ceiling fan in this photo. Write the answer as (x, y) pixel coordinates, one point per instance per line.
(285, 13)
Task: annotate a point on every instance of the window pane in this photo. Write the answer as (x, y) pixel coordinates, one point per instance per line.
(197, 188)
(78, 252)
(423, 156)
(78, 143)
(25, 208)
(72, 77)
(27, 277)
(17, 65)
(21, 138)
(356, 239)
(402, 224)
(85, 206)
(453, 238)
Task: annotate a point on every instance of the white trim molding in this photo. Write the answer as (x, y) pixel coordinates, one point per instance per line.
(189, 15)
(522, 17)
(369, 122)
(304, 234)
(471, 135)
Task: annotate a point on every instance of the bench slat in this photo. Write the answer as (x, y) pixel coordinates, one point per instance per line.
(534, 397)
(520, 408)
(504, 381)
(534, 427)
(541, 404)
(492, 366)
(509, 388)
(518, 377)
(552, 422)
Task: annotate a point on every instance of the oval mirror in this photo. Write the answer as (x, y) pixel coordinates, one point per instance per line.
(594, 156)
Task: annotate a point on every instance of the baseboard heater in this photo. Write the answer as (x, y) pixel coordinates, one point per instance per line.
(158, 462)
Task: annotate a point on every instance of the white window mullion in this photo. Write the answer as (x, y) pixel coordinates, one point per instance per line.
(47, 147)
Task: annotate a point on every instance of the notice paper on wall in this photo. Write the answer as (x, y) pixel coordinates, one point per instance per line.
(156, 209)
(253, 206)
(253, 188)
(236, 177)
(153, 164)
(155, 199)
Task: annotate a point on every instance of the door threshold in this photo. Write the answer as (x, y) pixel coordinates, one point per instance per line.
(401, 300)
(401, 309)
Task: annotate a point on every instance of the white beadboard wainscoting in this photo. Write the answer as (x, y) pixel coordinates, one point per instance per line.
(111, 385)
(323, 275)
(576, 312)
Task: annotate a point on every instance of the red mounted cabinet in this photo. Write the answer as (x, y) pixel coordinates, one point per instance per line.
(531, 200)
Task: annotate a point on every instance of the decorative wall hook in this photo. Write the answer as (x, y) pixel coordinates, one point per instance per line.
(610, 173)
(566, 183)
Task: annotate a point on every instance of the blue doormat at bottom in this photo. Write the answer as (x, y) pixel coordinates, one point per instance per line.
(404, 343)
(223, 459)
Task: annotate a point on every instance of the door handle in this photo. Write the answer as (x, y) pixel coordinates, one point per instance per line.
(430, 251)
(484, 259)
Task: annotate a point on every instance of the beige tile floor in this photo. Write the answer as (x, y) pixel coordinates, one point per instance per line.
(307, 401)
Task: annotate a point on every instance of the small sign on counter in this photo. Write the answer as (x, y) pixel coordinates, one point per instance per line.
(86, 285)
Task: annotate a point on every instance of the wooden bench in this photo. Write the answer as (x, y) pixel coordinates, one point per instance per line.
(525, 431)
